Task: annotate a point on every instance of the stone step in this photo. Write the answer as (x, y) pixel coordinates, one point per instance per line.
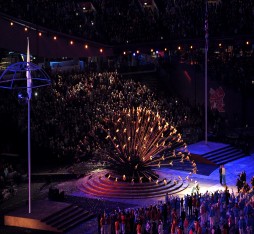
(217, 151)
(224, 155)
(228, 159)
(58, 213)
(98, 188)
(135, 186)
(74, 220)
(131, 196)
(114, 187)
(67, 218)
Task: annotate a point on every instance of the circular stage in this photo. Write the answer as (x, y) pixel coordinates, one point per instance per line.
(100, 184)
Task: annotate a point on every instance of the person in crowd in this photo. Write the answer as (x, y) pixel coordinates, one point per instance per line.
(220, 173)
(183, 217)
(246, 187)
(223, 174)
(185, 226)
(117, 227)
(252, 182)
(139, 228)
(196, 214)
(242, 225)
(123, 222)
(239, 184)
(148, 227)
(243, 177)
(231, 223)
(103, 224)
(179, 230)
(212, 216)
(249, 223)
(202, 214)
(189, 201)
(196, 226)
(160, 227)
(173, 227)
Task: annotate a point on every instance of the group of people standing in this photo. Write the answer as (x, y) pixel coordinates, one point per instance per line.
(241, 183)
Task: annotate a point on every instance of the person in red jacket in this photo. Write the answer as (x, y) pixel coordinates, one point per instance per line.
(196, 226)
(139, 227)
(173, 227)
(117, 227)
(123, 222)
(102, 224)
(185, 225)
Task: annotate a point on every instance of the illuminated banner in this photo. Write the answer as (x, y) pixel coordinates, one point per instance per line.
(217, 99)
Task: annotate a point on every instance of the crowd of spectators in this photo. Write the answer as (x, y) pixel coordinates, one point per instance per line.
(134, 21)
(66, 116)
(228, 67)
(78, 103)
(10, 177)
(228, 64)
(232, 70)
(211, 212)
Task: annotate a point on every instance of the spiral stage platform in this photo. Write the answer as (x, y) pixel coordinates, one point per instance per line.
(99, 185)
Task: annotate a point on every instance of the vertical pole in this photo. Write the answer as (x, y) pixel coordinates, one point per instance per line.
(206, 96)
(195, 85)
(29, 155)
(206, 50)
(29, 95)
